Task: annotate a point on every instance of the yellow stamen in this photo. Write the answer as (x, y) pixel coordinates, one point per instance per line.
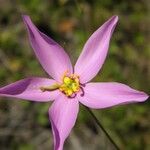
(70, 85)
(65, 74)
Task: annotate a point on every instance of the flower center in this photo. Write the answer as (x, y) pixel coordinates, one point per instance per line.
(70, 85)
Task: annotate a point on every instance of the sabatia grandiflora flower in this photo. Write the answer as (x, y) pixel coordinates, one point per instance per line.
(70, 85)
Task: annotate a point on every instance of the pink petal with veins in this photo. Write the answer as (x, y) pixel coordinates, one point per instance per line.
(52, 56)
(63, 114)
(108, 94)
(29, 89)
(95, 50)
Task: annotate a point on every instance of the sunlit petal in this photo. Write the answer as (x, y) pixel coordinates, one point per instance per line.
(63, 114)
(52, 56)
(107, 94)
(29, 89)
(95, 50)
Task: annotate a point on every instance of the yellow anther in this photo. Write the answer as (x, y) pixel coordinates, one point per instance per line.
(69, 92)
(65, 74)
(70, 84)
(67, 80)
(77, 80)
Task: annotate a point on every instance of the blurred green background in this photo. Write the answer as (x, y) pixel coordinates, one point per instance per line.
(25, 125)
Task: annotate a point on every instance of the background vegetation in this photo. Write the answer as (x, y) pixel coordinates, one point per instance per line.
(24, 125)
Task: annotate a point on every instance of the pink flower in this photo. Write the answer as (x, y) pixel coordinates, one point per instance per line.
(69, 85)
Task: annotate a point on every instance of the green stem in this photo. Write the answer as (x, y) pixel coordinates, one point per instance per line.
(103, 129)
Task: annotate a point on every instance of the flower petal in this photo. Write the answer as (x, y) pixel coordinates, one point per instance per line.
(95, 50)
(102, 95)
(63, 114)
(52, 56)
(29, 89)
